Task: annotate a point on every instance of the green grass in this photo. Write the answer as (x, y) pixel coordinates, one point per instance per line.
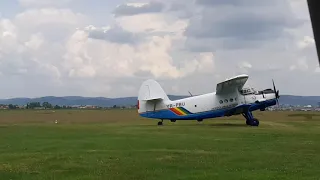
(117, 144)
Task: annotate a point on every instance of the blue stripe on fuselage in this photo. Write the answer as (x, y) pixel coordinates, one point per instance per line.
(168, 114)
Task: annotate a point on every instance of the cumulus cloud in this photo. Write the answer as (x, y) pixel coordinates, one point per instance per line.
(182, 44)
(35, 41)
(43, 3)
(123, 60)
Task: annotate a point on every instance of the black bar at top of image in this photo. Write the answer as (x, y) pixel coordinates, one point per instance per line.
(314, 11)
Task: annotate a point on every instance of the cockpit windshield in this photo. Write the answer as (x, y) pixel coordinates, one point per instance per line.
(246, 91)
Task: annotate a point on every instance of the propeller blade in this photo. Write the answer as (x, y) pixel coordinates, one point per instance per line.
(276, 92)
(274, 87)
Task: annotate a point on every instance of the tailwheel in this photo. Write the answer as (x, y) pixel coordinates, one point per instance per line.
(160, 123)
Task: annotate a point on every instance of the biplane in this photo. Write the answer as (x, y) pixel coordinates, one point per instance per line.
(230, 98)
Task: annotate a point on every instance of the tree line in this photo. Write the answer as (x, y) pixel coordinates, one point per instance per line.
(47, 105)
(34, 105)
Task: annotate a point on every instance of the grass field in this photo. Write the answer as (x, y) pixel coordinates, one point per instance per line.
(117, 144)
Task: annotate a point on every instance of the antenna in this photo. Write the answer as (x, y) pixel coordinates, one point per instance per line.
(190, 93)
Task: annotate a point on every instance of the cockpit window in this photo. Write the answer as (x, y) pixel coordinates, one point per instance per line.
(247, 91)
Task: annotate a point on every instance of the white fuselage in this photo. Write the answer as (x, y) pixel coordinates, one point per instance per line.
(230, 98)
(197, 105)
(207, 102)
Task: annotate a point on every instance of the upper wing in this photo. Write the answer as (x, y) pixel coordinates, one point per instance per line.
(232, 84)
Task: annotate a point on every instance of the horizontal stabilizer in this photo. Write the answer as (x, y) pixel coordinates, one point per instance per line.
(151, 98)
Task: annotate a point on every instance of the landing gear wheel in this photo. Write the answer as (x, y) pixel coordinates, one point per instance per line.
(160, 123)
(250, 120)
(255, 122)
(199, 120)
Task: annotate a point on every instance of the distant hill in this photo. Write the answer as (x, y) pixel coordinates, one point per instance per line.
(107, 102)
(299, 100)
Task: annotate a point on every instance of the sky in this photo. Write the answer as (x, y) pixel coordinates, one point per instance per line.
(107, 48)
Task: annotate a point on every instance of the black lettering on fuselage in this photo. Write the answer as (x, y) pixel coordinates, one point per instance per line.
(176, 105)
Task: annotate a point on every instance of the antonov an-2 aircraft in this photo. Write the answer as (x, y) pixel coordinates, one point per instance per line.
(230, 98)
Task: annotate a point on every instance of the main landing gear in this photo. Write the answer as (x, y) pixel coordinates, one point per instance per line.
(250, 120)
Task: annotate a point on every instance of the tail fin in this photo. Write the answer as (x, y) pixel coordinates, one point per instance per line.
(151, 90)
(150, 94)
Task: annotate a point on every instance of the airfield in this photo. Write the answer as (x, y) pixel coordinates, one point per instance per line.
(118, 144)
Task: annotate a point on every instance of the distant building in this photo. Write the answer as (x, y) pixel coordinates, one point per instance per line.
(3, 106)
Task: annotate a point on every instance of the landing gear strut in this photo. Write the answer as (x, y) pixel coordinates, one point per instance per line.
(160, 123)
(250, 120)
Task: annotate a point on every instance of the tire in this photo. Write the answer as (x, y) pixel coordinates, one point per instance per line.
(255, 122)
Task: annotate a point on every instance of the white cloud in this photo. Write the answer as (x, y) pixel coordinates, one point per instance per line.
(35, 41)
(7, 36)
(49, 20)
(244, 66)
(43, 3)
(301, 65)
(306, 42)
(107, 59)
(180, 43)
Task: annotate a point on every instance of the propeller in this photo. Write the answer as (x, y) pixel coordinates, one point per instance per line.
(276, 92)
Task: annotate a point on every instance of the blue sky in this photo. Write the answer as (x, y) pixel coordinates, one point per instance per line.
(107, 48)
(9, 8)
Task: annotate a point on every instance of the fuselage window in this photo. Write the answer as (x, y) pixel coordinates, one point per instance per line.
(220, 101)
(195, 105)
(226, 100)
(231, 100)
